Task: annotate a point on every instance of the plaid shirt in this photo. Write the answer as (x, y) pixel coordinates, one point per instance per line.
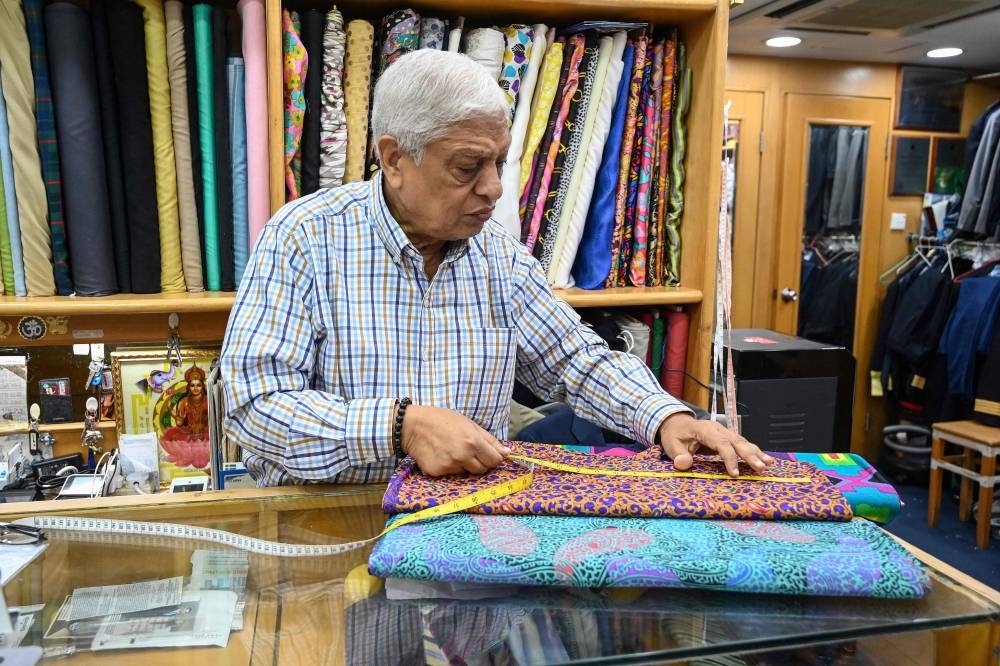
(335, 320)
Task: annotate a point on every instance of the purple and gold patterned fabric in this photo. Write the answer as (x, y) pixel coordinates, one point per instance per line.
(296, 62)
(566, 494)
(647, 150)
(802, 558)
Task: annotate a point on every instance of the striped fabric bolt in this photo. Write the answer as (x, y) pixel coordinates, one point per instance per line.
(47, 146)
(335, 319)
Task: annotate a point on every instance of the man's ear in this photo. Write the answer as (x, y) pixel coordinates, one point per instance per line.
(390, 156)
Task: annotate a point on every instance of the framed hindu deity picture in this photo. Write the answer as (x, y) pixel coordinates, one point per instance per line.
(154, 395)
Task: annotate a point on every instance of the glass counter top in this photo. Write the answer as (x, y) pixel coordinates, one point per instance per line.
(328, 610)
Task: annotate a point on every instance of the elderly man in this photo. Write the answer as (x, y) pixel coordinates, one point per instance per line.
(392, 316)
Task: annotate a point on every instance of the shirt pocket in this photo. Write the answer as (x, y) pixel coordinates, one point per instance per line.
(478, 374)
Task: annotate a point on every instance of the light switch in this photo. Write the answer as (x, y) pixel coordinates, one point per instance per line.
(898, 222)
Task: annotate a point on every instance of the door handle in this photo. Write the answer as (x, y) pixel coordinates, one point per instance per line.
(789, 295)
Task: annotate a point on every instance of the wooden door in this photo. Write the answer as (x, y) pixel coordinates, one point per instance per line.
(806, 117)
(743, 146)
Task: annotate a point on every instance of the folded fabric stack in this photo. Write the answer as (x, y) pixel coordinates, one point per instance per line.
(793, 536)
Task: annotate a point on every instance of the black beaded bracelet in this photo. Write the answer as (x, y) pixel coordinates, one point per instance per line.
(397, 426)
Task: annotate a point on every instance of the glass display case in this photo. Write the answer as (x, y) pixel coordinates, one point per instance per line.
(328, 610)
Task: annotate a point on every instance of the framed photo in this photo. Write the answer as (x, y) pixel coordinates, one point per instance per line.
(910, 157)
(947, 165)
(930, 98)
(153, 396)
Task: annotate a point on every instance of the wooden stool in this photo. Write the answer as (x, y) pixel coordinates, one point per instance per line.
(972, 437)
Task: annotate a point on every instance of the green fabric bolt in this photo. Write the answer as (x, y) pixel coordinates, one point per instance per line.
(6, 261)
(656, 361)
(206, 131)
(672, 267)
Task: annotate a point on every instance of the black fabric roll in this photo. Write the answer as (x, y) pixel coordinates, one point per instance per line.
(223, 150)
(128, 58)
(312, 39)
(192, 89)
(112, 145)
(81, 149)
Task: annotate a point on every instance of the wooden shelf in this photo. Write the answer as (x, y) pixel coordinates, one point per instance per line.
(207, 301)
(620, 297)
(55, 428)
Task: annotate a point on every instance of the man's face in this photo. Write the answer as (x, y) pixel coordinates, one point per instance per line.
(451, 193)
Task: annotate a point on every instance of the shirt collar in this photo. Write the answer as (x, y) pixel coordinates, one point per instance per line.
(392, 234)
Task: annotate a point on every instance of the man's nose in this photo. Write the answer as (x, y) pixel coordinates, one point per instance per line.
(489, 185)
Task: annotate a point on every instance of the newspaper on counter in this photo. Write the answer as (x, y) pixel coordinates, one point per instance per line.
(221, 570)
(109, 599)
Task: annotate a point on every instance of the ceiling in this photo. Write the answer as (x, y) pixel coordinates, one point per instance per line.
(897, 31)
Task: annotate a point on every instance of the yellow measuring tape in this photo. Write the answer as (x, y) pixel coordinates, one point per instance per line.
(573, 469)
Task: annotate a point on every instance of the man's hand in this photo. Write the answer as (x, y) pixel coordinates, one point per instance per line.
(681, 436)
(442, 441)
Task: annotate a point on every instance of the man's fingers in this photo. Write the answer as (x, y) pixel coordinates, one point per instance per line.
(487, 454)
(728, 454)
(752, 454)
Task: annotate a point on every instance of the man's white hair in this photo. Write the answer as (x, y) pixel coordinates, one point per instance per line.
(421, 95)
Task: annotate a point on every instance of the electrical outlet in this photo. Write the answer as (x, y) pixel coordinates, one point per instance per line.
(898, 222)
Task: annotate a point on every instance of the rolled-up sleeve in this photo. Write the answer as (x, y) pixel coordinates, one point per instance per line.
(267, 361)
(561, 358)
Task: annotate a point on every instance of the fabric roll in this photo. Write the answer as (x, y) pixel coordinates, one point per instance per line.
(667, 88)
(555, 154)
(32, 213)
(206, 130)
(10, 235)
(295, 69)
(195, 135)
(312, 40)
(171, 269)
(455, 35)
(402, 35)
(431, 34)
(672, 249)
(255, 70)
(569, 153)
(675, 361)
(593, 260)
(78, 120)
(187, 208)
(108, 99)
(48, 147)
(547, 87)
(593, 92)
(618, 239)
(651, 130)
(656, 345)
(517, 53)
(486, 46)
(505, 211)
(621, 277)
(333, 121)
(6, 274)
(357, 87)
(653, 231)
(236, 78)
(128, 59)
(223, 150)
(588, 183)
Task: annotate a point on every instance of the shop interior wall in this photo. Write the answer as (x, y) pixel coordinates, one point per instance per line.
(775, 78)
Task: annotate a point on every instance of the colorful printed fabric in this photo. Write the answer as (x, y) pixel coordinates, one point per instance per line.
(569, 154)
(295, 66)
(672, 258)
(401, 31)
(562, 494)
(515, 62)
(432, 34)
(47, 146)
(667, 91)
(651, 126)
(333, 120)
(548, 87)
(803, 558)
(625, 162)
(635, 168)
(554, 152)
(853, 476)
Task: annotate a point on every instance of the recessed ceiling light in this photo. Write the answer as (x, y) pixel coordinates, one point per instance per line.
(948, 52)
(783, 42)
